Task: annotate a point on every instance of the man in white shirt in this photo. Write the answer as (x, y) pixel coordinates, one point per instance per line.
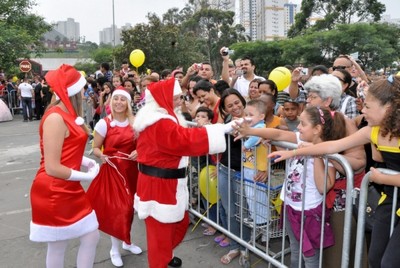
(25, 94)
(240, 83)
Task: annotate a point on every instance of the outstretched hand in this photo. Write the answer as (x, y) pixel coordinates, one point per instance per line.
(281, 155)
(241, 128)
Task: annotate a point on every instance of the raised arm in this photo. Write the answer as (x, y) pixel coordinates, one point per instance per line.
(267, 133)
(330, 147)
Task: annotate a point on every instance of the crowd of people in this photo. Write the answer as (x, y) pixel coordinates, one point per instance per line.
(126, 114)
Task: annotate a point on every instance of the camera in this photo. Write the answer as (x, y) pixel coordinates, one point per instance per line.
(304, 71)
(227, 51)
(199, 65)
(131, 75)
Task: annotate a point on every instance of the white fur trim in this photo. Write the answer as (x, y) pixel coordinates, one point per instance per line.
(42, 233)
(216, 138)
(165, 213)
(123, 93)
(150, 114)
(77, 87)
(177, 88)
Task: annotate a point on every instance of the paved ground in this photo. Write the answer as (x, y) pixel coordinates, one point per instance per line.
(19, 161)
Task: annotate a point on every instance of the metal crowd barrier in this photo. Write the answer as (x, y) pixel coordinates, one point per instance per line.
(13, 101)
(362, 214)
(270, 251)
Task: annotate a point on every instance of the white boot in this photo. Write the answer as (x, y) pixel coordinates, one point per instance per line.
(116, 259)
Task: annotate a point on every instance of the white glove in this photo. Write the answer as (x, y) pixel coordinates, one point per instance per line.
(88, 162)
(229, 126)
(84, 176)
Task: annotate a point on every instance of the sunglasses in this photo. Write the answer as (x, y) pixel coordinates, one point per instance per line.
(340, 67)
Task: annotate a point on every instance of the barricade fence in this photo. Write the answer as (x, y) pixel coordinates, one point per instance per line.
(362, 213)
(257, 207)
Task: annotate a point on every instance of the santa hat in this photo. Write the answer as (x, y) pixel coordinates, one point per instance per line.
(121, 91)
(163, 93)
(66, 81)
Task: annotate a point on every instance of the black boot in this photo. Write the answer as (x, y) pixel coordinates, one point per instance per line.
(175, 262)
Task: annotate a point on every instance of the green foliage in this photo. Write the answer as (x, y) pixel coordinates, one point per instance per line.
(335, 12)
(181, 38)
(20, 33)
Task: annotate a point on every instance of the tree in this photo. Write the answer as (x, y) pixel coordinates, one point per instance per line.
(335, 12)
(20, 33)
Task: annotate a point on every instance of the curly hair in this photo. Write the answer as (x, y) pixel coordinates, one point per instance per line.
(387, 91)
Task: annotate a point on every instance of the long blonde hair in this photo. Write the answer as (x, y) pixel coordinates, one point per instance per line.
(128, 111)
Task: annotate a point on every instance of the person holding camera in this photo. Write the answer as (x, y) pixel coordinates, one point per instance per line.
(241, 80)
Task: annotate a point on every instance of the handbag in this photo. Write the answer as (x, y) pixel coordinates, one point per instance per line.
(372, 203)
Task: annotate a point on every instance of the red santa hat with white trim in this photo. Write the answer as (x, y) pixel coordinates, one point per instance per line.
(163, 93)
(66, 81)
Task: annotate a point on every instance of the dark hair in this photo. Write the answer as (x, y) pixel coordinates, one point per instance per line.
(203, 84)
(105, 65)
(124, 62)
(321, 68)
(165, 73)
(227, 93)
(273, 87)
(131, 81)
(208, 111)
(347, 77)
(249, 59)
(333, 123)
(387, 92)
(195, 78)
(220, 86)
(187, 116)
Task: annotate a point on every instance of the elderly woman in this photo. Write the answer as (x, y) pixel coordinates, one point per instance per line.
(326, 91)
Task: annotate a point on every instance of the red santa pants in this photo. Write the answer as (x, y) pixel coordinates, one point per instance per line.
(162, 238)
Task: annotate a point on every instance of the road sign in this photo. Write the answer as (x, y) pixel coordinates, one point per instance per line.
(25, 66)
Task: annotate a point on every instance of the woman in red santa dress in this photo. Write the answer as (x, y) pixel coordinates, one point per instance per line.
(162, 145)
(111, 193)
(60, 208)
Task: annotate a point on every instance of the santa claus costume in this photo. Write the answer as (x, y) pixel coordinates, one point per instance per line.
(60, 208)
(163, 147)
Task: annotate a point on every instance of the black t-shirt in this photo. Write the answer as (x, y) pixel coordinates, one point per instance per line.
(38, 88)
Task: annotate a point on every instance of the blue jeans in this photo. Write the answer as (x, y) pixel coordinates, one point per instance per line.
(27, 104)
(228, 213)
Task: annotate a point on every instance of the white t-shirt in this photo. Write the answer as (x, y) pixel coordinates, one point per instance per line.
(292, 192)
(26, 90)
(242, 85)
(101, 126)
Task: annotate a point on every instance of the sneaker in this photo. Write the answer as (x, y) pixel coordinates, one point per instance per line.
(116, 259)
(132, 248)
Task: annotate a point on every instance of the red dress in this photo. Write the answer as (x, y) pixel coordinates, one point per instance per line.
(60, 208)
(111, 192)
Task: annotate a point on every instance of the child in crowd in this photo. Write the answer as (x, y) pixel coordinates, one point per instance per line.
(204, 117)
(316, 125)
(381, 110)
(255, 165)
(291, 114)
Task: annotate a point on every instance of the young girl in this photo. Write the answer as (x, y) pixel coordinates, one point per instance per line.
(104, 100)
(381, 107)
(316, 125)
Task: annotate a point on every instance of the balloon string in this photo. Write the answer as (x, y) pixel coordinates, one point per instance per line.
(197, 223)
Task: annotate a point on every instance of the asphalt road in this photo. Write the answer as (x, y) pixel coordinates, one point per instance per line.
(19, 161)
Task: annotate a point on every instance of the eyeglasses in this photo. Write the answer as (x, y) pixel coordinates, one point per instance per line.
(340, 67)
(321, 116)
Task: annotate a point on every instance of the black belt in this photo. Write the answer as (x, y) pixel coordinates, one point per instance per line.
(165, 173)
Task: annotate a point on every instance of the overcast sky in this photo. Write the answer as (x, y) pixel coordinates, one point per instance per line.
(94, 16)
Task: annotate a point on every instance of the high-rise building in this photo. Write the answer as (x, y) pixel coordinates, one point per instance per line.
(69, 29)
(106, 35)
(266, 19)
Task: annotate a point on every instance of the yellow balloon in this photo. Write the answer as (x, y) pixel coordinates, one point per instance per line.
(208, 184)
(398, 74)
(15, 79)
(137, 58)
(83, 73)
(281, 76)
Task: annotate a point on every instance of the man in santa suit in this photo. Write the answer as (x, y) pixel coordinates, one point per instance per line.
(163, 147)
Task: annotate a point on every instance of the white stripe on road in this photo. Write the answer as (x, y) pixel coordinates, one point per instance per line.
(18, 211)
